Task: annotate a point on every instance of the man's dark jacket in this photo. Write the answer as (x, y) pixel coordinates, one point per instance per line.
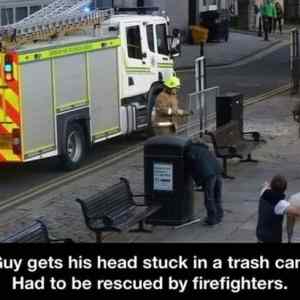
(202, 163)
(269, 225)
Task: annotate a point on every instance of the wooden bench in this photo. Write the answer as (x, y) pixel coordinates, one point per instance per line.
(114, 210)
(229, 142)
(34, 233)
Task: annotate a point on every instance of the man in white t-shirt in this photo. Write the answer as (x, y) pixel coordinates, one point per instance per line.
(272, 208)
(294, 202)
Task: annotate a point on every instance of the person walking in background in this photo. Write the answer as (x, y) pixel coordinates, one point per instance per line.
(265, 20)
(206, 171)
(258, 20)
(272, 208)
(294, 200)
(268, 12)
(272, 15)
(279, 17)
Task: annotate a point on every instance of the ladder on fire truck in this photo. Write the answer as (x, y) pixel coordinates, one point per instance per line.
(58, 18)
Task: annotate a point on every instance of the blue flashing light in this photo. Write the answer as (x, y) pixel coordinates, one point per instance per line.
(8, 68)
(87, 9)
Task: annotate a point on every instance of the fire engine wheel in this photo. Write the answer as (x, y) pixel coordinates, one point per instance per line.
(74, 151)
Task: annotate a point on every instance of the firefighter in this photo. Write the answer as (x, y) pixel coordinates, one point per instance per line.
(166, 112)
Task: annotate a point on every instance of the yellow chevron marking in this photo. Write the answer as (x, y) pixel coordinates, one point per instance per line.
(9, 156)
(12, 98)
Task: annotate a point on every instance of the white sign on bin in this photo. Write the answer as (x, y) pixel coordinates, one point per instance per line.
(163, 177)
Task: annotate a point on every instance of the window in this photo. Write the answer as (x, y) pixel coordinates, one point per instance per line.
(150, 37)
(7, 16)
(21, 13)
(104, 3)
(34, 9)
(134, 42)
(162, 40)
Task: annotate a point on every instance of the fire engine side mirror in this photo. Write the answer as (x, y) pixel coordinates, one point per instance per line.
(175, 43)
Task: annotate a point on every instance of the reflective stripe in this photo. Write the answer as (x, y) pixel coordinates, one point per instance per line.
(72, 49)
(10, 116)
(166, 66)
(106, 133)
(72, 105)
(137, 70)
(164, 124)
(39, 151)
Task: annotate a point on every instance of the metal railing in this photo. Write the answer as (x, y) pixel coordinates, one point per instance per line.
(202, 104)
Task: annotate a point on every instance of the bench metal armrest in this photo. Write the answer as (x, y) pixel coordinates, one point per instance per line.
(231, 149)
(66, 241)
(139, 196)
(139, 204)
(105, 227)
(96, 219)
(255, 135)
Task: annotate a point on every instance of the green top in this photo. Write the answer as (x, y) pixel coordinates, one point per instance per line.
(268, 10)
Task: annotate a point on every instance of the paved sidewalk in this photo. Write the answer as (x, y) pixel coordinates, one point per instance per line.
(280, 155)
(240, 46)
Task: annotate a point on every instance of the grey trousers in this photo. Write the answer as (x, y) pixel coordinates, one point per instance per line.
(213, 198)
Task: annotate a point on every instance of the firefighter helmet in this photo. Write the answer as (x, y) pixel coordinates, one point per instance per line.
(172, 83)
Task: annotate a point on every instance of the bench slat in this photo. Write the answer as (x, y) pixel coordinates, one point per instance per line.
(112, 200)
(229, 142)
(114, 209)
(35, 233)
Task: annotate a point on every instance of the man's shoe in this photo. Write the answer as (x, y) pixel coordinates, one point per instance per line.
(208, 222)
(198, 188)
(219, 220)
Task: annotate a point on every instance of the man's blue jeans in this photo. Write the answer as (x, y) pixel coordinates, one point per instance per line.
(213, 198)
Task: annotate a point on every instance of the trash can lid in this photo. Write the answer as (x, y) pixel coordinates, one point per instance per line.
(167, 145)
(230, 94)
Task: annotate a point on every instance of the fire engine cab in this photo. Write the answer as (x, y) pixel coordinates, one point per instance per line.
(71, 78)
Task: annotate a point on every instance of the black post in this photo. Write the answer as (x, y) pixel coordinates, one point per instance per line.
(202, 86)
(297, 58)
(202, 54)
(297, 43)
(200, 76)
(201, 49)
(205, 73)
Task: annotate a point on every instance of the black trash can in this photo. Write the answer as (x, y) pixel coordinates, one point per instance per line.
(168, 180)
(217, 22)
